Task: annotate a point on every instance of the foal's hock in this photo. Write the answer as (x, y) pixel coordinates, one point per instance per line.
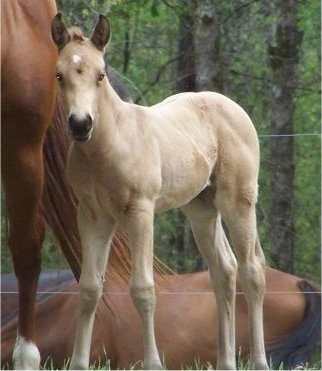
(194, 151)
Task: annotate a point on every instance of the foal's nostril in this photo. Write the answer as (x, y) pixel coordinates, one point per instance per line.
(80, 128)
(75, 123)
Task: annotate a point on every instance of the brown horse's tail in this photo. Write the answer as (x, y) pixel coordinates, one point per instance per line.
(59, 204)
(299, 346)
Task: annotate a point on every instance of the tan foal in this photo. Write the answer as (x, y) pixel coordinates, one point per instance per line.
(194, 151)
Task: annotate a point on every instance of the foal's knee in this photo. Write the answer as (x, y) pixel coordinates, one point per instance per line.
(143, 298)
(90, 294)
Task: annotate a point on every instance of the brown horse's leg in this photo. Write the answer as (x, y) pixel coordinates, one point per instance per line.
(23, 181)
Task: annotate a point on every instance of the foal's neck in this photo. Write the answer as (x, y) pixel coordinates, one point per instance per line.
(112, 110)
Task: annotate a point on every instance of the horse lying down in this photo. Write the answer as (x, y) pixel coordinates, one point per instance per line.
(185, 321)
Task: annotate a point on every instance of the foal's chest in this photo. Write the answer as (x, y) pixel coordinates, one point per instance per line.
(105, 187)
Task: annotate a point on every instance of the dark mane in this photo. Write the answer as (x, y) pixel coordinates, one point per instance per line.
(76, 34)
(299, 346)
(115, 80)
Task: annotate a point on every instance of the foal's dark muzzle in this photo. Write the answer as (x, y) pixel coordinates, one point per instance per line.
(80, 129)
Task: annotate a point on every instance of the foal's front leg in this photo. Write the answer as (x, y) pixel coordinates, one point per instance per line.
(96, 239)
(139, 224)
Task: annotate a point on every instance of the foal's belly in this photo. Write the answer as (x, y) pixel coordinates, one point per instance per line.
(188, 153)
(182, 181)
(176, 200)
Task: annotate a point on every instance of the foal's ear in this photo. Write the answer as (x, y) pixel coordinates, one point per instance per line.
(102, 33)
(59, 32)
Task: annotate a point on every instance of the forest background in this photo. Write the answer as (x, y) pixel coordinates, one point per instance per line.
(263, 54)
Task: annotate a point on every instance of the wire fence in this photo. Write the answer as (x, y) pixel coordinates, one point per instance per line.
(163, 291)
(290, 135)
(111, 293)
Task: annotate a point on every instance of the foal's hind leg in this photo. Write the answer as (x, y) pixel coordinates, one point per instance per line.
(212, 243)
(238, 211)
(95, 238)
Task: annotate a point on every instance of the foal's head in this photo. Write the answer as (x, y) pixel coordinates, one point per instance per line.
(80, 73)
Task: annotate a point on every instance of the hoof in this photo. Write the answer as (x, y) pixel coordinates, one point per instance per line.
(155, 365)
(259, 364)
(226, 366)
(25, 355)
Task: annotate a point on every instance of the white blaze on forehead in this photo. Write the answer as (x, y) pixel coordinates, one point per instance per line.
(76, 58)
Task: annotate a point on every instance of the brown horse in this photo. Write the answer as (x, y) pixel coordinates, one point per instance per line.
(194, 151)
(292, 321)
(28, 59)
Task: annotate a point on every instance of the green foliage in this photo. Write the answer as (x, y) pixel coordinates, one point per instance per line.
(174, 243)
(6, 263)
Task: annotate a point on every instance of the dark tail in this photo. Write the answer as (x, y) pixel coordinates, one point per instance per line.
(299, 346)
(59, 204)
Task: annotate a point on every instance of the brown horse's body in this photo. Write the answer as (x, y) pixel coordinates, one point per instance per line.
(28, 58)
(185, 320)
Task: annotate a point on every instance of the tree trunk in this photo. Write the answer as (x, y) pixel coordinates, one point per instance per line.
(186, 69)
(209, 69)
(283, 61)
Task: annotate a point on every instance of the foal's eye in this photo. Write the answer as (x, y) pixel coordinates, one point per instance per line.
(59, 77)
(101, 76)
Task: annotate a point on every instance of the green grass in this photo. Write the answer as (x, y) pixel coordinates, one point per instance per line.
(198, 365)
